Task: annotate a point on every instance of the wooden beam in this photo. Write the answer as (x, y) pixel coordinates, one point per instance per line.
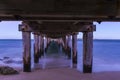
(55, 7)
(26, 51)
(60, 28)
(74, 46)
(24, 26)
(71, 18)
(36, 48)
(87, 51)
(55, 36)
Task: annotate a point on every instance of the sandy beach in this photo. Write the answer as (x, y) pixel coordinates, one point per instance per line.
(60, 70)
(61, 74)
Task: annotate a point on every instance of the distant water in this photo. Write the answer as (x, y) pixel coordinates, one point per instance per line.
(106, 54)
(13, 49)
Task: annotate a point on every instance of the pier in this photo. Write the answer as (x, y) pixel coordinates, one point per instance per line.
(61, 21)
(53, 31)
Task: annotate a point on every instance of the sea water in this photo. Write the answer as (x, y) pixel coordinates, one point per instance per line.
(106, 54)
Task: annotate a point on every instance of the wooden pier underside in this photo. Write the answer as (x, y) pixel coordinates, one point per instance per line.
(60, 10)
(56, 19)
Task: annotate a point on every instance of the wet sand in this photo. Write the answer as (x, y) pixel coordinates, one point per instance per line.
(59, 69)
(62, 74)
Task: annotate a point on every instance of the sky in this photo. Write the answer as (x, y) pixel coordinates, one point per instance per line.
(105, 30)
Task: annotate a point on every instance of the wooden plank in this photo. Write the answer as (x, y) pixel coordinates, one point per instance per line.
(26, 51)
(74, 46)
(36, 48)
(87, 51)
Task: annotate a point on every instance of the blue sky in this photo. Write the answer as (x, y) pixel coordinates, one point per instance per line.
(9, 30)
(105, 30)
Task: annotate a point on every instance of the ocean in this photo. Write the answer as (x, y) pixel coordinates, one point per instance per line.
(106, 54)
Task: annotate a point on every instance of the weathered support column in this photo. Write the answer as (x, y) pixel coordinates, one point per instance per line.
(87, 51)
(45, 44)
(26, 35)
(42, 45)
(74, 46)
(60, 45)
(48, 41)
(36, 48)
(68, 46)
(39, 44)
(65, 44)
(64, 41)
(26, 52)
(60, 41)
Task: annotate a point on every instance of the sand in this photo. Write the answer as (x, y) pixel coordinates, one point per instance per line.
(62, 74)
